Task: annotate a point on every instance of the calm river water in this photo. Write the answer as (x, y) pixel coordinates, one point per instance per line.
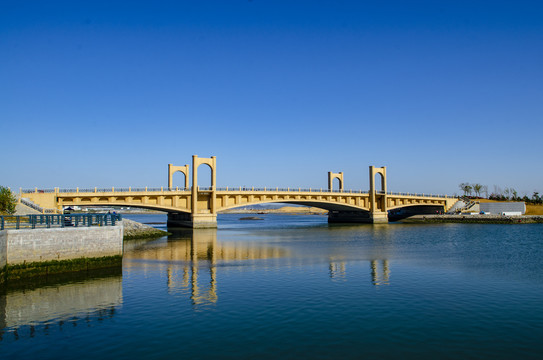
(294, 287)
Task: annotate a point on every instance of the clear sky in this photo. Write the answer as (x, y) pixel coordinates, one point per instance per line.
(107, 93)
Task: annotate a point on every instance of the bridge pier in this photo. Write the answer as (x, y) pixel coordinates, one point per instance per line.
(379, 218)
(357, 217)
(194, 221)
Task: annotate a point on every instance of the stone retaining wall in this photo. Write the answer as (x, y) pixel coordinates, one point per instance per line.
(3, 249)
(37, 245)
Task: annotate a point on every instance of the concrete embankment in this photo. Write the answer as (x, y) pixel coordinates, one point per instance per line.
(475, 219)
(46, 251)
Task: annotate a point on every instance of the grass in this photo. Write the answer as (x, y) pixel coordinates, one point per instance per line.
(534, 209)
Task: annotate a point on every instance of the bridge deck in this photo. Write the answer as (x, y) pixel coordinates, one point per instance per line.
(216, 200)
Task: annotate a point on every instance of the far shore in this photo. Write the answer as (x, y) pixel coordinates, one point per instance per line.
(475, 219)
(285, 210)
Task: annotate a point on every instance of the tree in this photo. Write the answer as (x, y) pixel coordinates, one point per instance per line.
(7, 201)
(514, 194)
(466, 188)
(477, 189)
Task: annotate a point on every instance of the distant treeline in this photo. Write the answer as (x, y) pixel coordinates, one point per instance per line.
(476, 191)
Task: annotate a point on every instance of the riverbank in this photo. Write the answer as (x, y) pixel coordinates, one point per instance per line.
(135, 230)
(53, 251)
(475, 219)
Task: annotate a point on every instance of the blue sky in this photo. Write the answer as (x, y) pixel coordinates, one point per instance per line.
(107, 93)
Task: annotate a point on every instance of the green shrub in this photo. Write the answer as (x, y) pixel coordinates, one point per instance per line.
(7, 201)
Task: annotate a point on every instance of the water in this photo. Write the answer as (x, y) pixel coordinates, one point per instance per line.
(295, 287)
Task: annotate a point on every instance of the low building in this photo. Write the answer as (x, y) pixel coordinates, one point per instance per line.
(509, 208)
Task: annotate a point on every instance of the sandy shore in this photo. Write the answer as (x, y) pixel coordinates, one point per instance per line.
(475, 219)
(298, 210)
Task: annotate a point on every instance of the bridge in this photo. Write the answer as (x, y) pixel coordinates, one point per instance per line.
(197, 207)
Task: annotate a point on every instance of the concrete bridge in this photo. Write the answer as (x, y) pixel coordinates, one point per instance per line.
(197, 207)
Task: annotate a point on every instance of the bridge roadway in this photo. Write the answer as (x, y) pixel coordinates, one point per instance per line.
(198, 207)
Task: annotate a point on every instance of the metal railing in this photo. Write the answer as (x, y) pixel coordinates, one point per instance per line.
(283, 189)
(37, 207)
(101, 190)
(31, 205)
(57, 221)
(233, 189)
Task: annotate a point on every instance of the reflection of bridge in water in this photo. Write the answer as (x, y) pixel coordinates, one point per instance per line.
(199, 251)
(197, 207)
(191, 260)
(380, 272)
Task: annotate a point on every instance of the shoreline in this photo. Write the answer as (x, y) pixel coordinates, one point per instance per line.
(474, 219)
(133, 230)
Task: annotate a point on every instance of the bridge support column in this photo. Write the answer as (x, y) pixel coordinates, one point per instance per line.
(379, 218)
(194, 221)
(349, 217)
(357, 217)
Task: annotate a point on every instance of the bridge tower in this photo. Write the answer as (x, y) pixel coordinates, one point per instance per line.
(203, 202)
(378, 198)
(204, 208)
(173, 169)
(332, 176)
(378, 212)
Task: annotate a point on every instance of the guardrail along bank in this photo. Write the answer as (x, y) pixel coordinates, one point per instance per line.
(33, 245)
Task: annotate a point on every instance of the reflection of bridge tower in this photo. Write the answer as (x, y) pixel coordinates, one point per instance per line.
(380, 273)
(337, 269)
(203, 246)
(207, 238)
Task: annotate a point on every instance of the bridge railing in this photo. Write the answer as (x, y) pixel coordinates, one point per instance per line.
(417, 194)
(287, 189)
(57, 221)
(102, 190)
(233, 189)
